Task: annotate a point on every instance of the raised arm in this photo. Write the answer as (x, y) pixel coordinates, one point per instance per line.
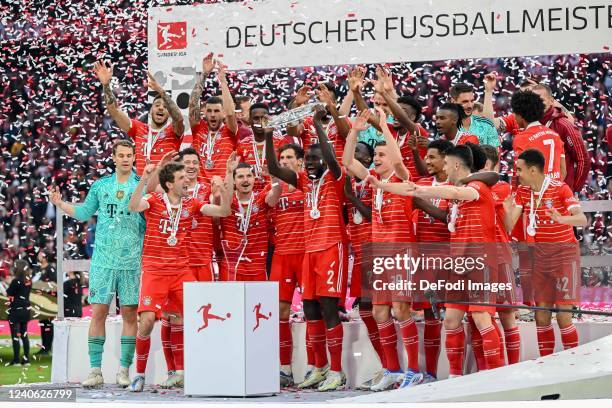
(285, 174)
(490, 178)
(384, 86)
(408, 188)
(348, 156)
(330, 102)
(512, 212)
(173, 110)
(228, 102)
(198, 89)
(327, 150)
(226, 190)
(395, 154)
(55, 197)
(104, 72)
(273, 196)
(355, 83)
(153, 184)
(347, 103)
(414, 142)
(490, 82)
(138, 203)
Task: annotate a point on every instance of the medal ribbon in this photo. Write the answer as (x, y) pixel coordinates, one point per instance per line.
(245, 218)
(174, 217)
(316, 188)
(151, 140)
(533, 209)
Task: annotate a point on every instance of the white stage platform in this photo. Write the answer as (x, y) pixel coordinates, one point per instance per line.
(360, 362)
(584, 372)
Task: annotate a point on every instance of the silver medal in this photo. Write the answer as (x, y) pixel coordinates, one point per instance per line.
(315, 213)
(451, 226)
(357, 218)
(209, 164)
(531, 231)
(194, 224)
(172, 241)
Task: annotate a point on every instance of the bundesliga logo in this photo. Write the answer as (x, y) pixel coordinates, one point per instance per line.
(172, 36)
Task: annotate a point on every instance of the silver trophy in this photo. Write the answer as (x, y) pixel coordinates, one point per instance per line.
(294, 115)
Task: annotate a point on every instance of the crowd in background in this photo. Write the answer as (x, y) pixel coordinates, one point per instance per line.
(54, 131)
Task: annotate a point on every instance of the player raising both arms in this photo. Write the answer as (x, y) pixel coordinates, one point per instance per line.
(154, 139)
(165, 258)
(115, 264)
(325, 262)
(214, 128)
(552, 212)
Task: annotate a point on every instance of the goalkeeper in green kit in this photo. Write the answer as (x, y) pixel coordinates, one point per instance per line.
(115, 264)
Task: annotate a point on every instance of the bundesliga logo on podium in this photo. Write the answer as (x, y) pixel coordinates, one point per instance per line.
(172, 36)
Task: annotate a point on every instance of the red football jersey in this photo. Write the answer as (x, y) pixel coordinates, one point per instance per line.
(157, 255)
(559, 196)
(288, 221)
(251, 152)
(391, 215)
(167, 142)
(501, 191)
(407, 153)
(216, 146)
(201, 248)
(328, 229)
(547, 142)
(510, 125)
(360, 230)
(463, 138)
(309, 136)
(475, 219)
(254, 255)
(429, 229)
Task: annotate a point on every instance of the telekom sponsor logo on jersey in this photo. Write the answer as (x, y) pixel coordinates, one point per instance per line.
(172, 36)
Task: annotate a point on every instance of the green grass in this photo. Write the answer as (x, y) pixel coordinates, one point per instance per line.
(39, 369)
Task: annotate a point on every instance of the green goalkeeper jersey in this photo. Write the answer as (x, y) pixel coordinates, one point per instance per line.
(119, 232)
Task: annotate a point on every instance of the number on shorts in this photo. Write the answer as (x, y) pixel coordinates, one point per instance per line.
(562, 284)
(330, 277)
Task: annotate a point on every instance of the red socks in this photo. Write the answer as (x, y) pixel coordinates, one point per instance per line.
(286, 342)
(388, 341)
(476, 341)
(490, 346)
(410, 338)
(167, 344)
(455, 343)
(177, 345)
(143, 344)
(334, 344)
(546, 340)
(317, 338)
(513, 345)
(502, 348)
(569, 337)
(431, 340)
(370, 323)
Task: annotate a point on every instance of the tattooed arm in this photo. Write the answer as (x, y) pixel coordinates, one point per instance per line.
(173, 110)
(198, 89)
(104, 72)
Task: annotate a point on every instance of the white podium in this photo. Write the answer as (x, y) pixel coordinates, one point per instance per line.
(231, 338)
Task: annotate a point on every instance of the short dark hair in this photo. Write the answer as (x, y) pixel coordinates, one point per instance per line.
(380, 143)
(458, 89)
(240, 99)
(188, 150)
(156, 97)
(533, 157)
(527, 105)
(544, 87)
(441, 145)
(124, 143)
(457, 109)
(166, 174)
(214, 100)
(491, 153)
(412, 101)
(297, 149)
(242, 165)
(331, 87)
(368, 147)
(479, 158)
(259, 105)
(464, 154)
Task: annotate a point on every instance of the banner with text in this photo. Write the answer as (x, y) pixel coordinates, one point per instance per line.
(289, 33)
